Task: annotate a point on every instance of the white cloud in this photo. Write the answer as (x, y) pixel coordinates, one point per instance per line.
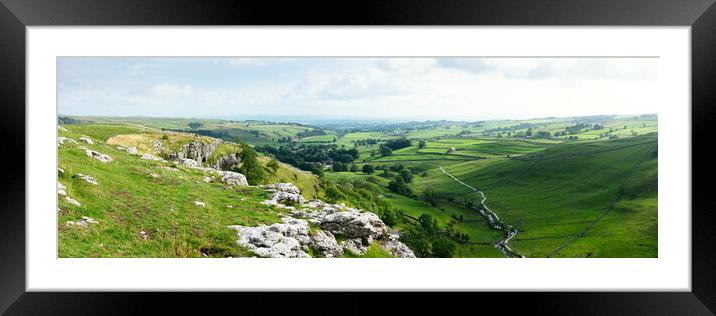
(168, 90)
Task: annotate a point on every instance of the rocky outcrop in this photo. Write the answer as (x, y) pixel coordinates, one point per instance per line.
(132, 150)
(291, 238)
(283, 193)
(228, 162)
(97, 155)
(325, 243)
(196, 150)
(397, 248)
(288, 239)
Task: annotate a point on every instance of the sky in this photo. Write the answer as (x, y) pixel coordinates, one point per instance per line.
(356, 88)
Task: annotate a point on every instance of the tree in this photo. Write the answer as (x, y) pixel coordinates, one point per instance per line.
(339, 166)
(250, 165)
(428, 224)
(368, 169)
(354, 168)
(406, 175)
(422, 144)
(195, 125)
(273, 164)
(443, 248)
(399, 186)
(385, 150)
(431, 197)
(415, 238)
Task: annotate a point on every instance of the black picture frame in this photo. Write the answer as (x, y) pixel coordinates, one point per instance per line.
(16, 15)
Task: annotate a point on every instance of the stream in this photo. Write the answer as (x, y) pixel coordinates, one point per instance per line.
(494, 221)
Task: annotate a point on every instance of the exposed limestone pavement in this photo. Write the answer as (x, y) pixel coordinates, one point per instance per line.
(293, 237)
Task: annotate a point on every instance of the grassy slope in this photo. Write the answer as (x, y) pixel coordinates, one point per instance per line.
(551, 200)
(129, 200)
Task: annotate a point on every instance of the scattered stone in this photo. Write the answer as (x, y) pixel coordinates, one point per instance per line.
(157, 145)
(151, 157)
(229, 206)
(144, 235)
(61, 140)
(132, 150)
(97, 155)
(72, 201)
(87, 140)
(61, 189)
(60, 170)
(208, 179)
(199, 203)
(83, 222)
(120, 147)
(59, 127)
(87, 178)
(233, 178)
(154, 175)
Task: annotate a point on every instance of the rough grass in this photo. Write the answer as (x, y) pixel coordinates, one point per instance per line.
(129, 200)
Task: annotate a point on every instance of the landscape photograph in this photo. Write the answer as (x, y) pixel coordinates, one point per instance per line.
(357, 157)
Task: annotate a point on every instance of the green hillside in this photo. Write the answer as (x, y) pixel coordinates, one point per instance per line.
(148, 208)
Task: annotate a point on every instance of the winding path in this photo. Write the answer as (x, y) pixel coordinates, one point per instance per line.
(495, 223)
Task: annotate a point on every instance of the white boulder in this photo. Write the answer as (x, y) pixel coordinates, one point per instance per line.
(233, 178)
(87, 140)
(97, 155)
(89, 179)
(62, 140)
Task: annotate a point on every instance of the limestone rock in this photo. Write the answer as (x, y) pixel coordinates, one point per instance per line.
(281, 240)
(326, 244)
(132, 150)
(353, 223)
(397, 248)
(83, 222)
(60, 170)
(151, 157)
(89, 179)
(199, 204)
(197, 150)
(189, 162)
(282, 193)
(72, 201)
(228, 162)
(355, 247)
(61, 189)
(97, 155)
(87, 140)
(233, 178)
(62, 140)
